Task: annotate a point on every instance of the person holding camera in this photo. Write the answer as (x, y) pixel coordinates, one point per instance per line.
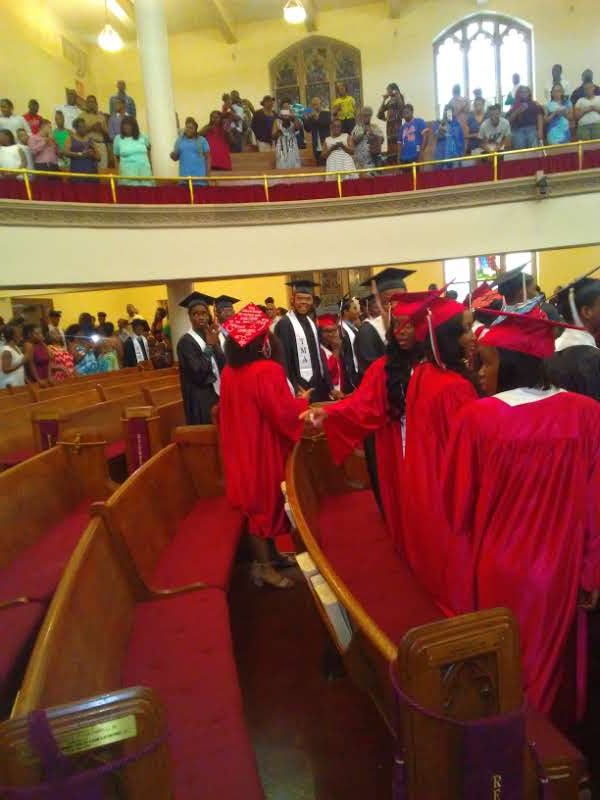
(287, 154)
(338, 153)
(367, 139)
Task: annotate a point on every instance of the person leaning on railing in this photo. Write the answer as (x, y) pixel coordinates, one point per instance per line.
(494, 133)
(526, 119)
(338, 152)
(132, 150)
(11, 154)
(587, 113)
(81, 150)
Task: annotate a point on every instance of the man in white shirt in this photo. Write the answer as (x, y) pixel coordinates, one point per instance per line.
(70, 110)
(54, 325)
(9, 121)
(494, 132)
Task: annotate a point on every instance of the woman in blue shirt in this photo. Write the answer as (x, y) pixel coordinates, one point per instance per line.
(450, 139)
(193, 153)
(558, 116)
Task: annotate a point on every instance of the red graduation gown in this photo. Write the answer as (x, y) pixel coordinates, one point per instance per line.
(521, 487)
(258, 426)
(434, 397)
(365, 411)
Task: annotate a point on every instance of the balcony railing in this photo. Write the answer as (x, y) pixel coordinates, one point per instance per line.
(274, 187)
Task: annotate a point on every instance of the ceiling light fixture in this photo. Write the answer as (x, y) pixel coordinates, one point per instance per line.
(294, 12)
(108, 38)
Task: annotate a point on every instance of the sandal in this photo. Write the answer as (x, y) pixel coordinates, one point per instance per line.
(284, 560)
(262, 574)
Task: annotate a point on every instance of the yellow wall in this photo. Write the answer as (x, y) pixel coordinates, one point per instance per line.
(32, 64)
(392, 50)
(558, 267)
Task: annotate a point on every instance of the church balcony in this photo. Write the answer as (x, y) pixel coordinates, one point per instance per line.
(523, 200)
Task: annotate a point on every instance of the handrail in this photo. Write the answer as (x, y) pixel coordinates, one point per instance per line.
(337, 175)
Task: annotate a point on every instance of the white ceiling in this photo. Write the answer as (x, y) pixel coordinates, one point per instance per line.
(87, 17)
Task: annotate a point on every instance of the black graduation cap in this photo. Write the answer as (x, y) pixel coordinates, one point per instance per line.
(55, 313)
(576, 284)
(224, 301)
(304, 285)
(390, 278)
(509, 282)
(196, 298)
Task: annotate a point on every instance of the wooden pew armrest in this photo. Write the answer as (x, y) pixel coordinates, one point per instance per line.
(157, 594)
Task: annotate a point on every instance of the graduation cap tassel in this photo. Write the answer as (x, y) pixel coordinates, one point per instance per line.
(524, 280)
(433, 340)
(574, 313)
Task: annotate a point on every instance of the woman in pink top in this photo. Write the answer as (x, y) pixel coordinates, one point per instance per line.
(36, 354)
(217, 134)
(44, 148)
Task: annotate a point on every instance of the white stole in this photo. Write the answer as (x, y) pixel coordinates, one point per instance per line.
(352, 337)
(222, 338)
(304, 362)
(215, 368)
(524, 395)
(139, 353)
(377, 323)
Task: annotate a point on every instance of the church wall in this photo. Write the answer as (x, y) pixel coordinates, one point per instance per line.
(32, 63)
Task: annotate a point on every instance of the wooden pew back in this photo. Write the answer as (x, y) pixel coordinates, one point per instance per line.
(81, 647)
(115, 391)
(16, 433)
(10, 401)
(102, 420)
(147, 429)
(80, 382)
(148, 527)
(45, 489)
(79, 727)
(155, 395)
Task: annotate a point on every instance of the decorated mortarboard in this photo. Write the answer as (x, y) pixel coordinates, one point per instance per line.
(196, 299)
(224, 301)
(483, 297)
(531, 333)
(328, 317)
(303, 285)
(247, 325)
(390, 278)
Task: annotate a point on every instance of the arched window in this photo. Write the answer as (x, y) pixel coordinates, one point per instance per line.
(312, 68)
(482, 51)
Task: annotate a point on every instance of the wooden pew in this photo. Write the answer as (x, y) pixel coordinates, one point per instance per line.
(26, 389)
(105, 379)
(101, 420)
(192, 534)
(106, 631)
(10, 401)
(370, 603)
(114, 391)
(157, 396)
(16, 433)
(44, 508)
(147, 429)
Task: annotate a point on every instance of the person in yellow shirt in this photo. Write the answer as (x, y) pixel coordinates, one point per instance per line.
(344, 108)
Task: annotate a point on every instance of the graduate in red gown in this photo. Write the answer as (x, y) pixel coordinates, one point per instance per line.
(438, 389)
(331, 347)
(521, 486)
(378, 406)
(258, 425)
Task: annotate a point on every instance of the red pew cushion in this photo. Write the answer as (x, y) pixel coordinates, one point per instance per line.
(203, 548)
(114, 449)
(36, 571)
(18, 628)
(181, 647)
(365, 559)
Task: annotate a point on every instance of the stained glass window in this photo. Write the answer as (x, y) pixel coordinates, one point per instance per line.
(468, 273)
(312, 68)
(482, 51)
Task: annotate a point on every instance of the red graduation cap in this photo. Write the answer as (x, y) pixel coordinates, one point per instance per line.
(531, 333)
(482, 297)
(247, 325)
(327, 321)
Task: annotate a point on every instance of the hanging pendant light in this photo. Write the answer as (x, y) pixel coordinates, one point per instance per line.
(294, 12)
(108, 38)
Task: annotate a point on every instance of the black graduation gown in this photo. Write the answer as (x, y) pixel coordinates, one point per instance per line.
(576, 369)
(197, 380)
(129, 356)
(320, 383)
(369, 346)
(350, 377)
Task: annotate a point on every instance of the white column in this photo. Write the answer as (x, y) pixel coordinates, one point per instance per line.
(153, 44)
(178, 317)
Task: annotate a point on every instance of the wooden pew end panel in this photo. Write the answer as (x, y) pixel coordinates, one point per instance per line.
(94, 731)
